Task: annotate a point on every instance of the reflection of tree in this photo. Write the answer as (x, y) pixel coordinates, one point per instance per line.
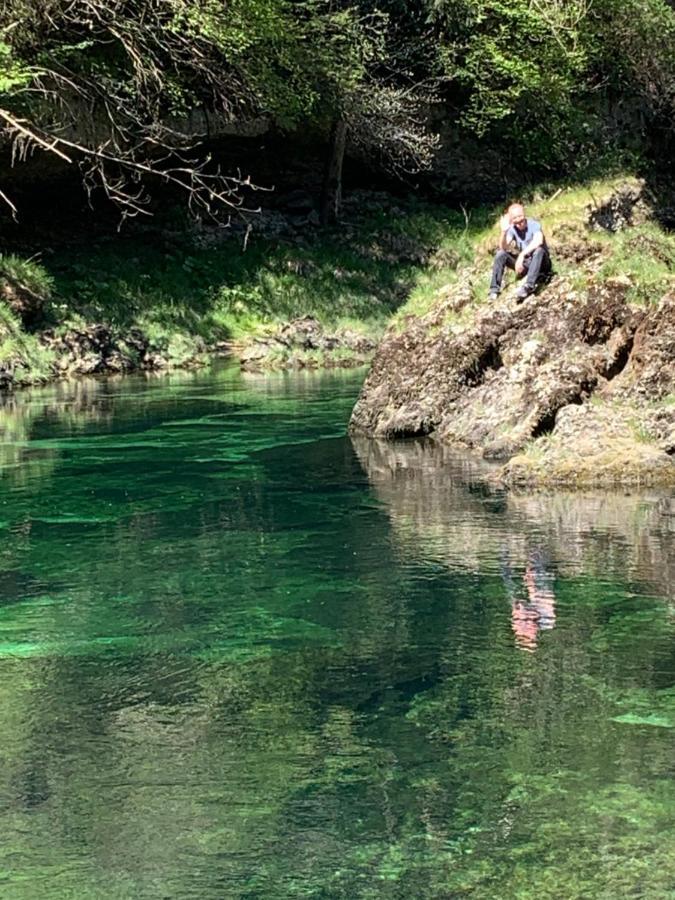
(17, 463)
(66, 407)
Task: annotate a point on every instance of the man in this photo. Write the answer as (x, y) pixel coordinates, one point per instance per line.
(533, 257)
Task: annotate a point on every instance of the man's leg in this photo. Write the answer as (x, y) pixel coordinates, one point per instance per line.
(502, 259)
(538, 264)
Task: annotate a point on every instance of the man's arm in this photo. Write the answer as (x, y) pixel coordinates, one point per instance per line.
(536, 241)
(505, 225)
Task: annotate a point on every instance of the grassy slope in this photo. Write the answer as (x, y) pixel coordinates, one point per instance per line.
(182, 289)
(644, 253)
(354, 275)
(382, 262)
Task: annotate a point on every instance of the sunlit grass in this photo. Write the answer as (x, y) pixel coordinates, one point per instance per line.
(358, 273)
(379, 265)
(28, 273)
(644, 253)
(20, 353)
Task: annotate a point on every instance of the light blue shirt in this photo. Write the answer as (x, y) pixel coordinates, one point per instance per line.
(523, 238)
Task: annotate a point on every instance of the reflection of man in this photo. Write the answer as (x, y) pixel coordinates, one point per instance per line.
(537, 612)
(532, 259)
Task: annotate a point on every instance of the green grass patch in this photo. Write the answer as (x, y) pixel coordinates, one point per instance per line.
(646, 255)
(21, 354)
(359, 272)
(27, 272)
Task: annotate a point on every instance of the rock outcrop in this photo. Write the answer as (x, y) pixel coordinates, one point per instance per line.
(97, 349)
(572, 385)
(305, 343)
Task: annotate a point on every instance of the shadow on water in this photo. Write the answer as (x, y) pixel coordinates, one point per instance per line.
(244, 656)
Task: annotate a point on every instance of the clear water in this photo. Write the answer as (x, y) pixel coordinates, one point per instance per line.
(242, 656)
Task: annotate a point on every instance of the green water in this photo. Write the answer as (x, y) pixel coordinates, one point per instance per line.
(243, 657)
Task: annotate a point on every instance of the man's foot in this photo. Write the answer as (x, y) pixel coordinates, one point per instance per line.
(492, 296)
(523, 292)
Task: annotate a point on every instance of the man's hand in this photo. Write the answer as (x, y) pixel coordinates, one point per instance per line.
(505, 223)
(520, 264)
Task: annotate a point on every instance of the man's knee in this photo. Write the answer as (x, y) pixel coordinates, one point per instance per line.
(502, 255)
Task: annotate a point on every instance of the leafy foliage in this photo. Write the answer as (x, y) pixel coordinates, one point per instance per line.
(127, 88)
(116, 83)
(541, 77)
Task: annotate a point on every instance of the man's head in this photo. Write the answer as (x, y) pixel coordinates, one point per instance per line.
(516, 214)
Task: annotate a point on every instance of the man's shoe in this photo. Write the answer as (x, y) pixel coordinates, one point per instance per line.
(493, 296)
(523, 292)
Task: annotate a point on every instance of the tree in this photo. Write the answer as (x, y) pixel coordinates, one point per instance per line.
(110, 84)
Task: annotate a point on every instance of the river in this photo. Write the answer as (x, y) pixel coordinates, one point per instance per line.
(243, 656)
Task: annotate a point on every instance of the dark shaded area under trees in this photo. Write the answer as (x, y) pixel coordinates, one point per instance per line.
(143, 101)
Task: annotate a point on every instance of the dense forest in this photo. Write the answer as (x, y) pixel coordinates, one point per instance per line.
(141, 93)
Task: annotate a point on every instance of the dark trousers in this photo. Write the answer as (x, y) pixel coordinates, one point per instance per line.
(537, 264)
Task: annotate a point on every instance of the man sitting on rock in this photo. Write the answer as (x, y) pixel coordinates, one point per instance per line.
(533, 258)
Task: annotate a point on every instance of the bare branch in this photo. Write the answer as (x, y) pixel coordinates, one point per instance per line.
(8, 202)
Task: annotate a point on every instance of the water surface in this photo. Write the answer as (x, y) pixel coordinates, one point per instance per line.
(242, 656)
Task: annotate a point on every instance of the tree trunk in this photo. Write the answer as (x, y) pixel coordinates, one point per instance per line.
(331, 194)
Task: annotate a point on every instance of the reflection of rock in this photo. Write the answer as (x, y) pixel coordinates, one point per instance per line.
(72, 404)
(438, 500)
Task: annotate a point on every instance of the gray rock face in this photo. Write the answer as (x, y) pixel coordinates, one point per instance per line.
(509, 375)
(506, 373)
(97, 349)
(305, 343)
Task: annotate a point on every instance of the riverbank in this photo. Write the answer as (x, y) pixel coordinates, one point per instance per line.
(170, 296)
(574, 385)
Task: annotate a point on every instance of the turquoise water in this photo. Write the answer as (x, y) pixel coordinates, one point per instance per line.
(242, 656)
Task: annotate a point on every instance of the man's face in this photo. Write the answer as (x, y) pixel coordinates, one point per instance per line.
(517, 216)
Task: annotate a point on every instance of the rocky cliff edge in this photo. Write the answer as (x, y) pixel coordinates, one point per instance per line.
(574, 385)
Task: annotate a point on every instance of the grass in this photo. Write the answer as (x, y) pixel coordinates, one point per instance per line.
(393, 260)
(28, 273)
(22, 356)
(185, 290)
(645, 253)
(358, 273)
